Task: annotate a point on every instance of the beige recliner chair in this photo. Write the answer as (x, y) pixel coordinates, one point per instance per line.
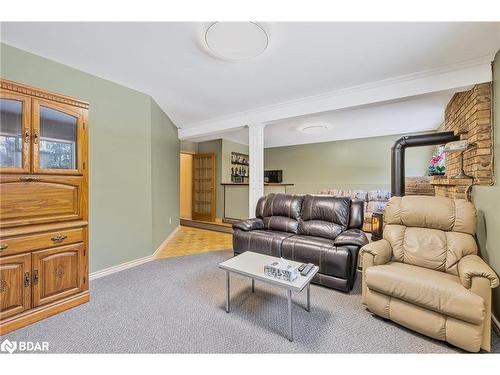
(425, 273)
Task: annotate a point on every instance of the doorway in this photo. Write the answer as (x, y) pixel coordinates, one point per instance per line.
(197, 186)
(186, 186)
(204, 177)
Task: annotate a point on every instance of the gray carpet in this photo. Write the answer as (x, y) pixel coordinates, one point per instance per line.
(176, 305)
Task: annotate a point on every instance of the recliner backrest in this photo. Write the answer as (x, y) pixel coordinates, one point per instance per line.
(324, 215)
(356, 215)
(430, 232)
(282, 211)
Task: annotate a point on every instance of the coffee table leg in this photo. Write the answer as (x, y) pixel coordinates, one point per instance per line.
(253, 285)
(308, 297)
(290, 326)
(227, 291)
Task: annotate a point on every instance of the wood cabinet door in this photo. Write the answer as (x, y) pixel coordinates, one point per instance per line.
(57, 273)
(15, 285)
(15, 132)
(59, 138)
(36, 199)
(204, 175)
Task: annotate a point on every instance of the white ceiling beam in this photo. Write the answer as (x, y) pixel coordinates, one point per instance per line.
(453, 77)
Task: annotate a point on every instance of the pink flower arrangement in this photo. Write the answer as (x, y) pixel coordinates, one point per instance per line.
(436, 159)
(437, 163)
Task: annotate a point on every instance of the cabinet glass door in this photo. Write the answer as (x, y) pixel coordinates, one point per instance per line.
(57, 138)
(15, 133)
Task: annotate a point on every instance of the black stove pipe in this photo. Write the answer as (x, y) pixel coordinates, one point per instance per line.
(398, 155)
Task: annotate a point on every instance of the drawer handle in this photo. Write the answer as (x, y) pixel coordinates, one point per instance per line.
(58, 239)
(35, 277)
(3, 247)
(29, 178)
(35, 137)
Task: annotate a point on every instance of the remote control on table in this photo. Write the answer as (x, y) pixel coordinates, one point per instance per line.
(307, 269)
(302, 266)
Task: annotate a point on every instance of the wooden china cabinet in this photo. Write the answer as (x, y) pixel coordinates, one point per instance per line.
(43, 204)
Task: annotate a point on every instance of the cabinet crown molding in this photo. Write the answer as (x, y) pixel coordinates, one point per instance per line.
(33, 91)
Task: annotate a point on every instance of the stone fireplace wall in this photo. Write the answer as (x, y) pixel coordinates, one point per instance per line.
(468, 114)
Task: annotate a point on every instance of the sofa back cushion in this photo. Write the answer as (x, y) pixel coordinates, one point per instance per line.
(324, 216)
(430, 232)
(259, 208)
(282, 211)
(441, 213)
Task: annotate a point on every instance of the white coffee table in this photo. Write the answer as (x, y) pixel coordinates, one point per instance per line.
(252, 264)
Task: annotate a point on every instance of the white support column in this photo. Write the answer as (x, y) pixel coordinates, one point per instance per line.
(256, 168)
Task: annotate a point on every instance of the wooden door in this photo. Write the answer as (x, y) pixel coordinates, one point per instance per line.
(59, 138)
(204, 175)
(57, 273)
(15, 132)
(15, 285)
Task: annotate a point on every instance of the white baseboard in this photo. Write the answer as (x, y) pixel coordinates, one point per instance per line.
(120, 267)
(131, 263)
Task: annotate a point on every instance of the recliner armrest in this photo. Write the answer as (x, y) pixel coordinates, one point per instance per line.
(249, 224)
(472, 266)
(380, 250)
(354, 237)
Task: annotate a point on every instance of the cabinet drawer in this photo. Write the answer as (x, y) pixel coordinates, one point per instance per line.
(17, 245)
(35, 199)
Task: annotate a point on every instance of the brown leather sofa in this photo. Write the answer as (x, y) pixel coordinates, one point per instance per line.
(323, 230)
(425, 273)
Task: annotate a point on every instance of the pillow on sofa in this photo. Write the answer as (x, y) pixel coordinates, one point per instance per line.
(356, 194)
(379, 195)
(374, 206)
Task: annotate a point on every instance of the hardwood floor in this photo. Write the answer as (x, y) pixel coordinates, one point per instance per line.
(189, 241)
(208, 225)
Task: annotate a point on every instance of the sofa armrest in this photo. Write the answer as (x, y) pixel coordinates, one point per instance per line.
(249, 224)
(381, 251)
(472, 266)
(351, 237)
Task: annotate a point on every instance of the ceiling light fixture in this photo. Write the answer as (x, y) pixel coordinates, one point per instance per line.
(236, 41)
(313, 129)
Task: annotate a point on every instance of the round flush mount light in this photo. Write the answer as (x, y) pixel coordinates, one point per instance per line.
(236, 41)
(313, 129)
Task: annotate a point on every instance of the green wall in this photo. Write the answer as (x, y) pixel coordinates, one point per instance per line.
(189, 147)
(351, 164)
(128, 170)
(487, 198)
(165, 172)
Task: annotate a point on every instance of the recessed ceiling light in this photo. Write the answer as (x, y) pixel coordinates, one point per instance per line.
(236, 40)
(313, 129)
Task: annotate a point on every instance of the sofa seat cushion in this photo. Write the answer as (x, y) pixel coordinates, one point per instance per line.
(332, 260)
(434, 290)
(261, 241)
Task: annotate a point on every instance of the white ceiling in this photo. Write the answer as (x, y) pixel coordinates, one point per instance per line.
(425, 113)
(169, 62)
